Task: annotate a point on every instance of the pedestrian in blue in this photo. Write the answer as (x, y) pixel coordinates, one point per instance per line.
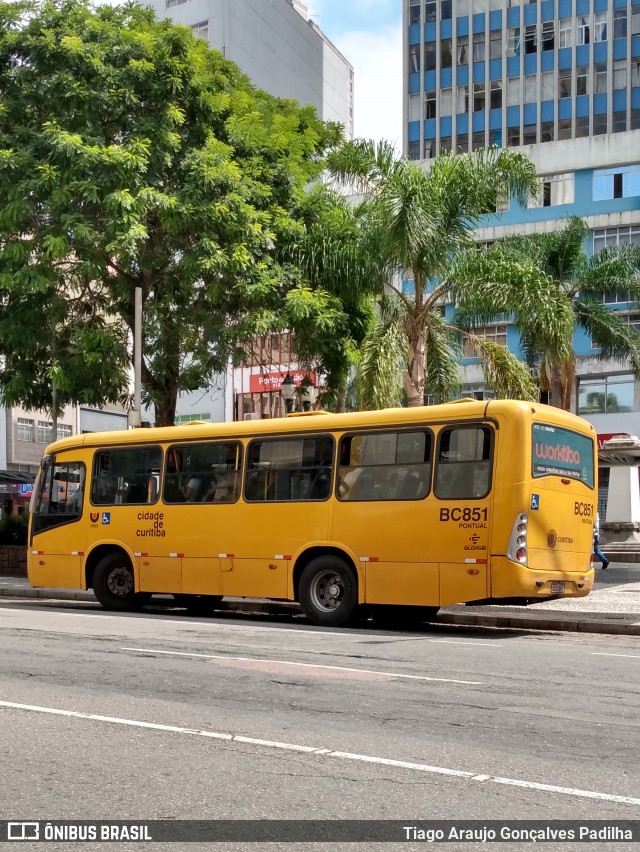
(596, 543)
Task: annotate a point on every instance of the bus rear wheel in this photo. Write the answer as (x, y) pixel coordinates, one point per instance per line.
(401, 617)
(114, 586)
(198, 604)
(328, 591)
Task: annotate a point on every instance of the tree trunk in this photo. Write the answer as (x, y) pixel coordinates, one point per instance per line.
(165, 407)
(415, 377)
(560, 386)
(341, 398)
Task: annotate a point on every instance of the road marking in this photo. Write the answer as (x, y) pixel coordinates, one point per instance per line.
(302, 665)
(324, 752)
(461, 642)
(602, 654)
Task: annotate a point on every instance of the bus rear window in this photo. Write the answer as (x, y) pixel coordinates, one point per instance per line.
(561, 452)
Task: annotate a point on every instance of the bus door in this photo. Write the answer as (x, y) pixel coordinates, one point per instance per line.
(382, 513)
(58, 540)
(462, 490)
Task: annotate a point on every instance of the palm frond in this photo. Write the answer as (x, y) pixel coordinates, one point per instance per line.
(505, 373)
(444, 378)
(383, 362)
(610, 333)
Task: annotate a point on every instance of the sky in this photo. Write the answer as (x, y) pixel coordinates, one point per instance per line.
(368, 33)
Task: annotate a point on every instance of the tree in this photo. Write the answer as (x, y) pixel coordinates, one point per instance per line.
(419, 223)
(582, 283)
(131, 156)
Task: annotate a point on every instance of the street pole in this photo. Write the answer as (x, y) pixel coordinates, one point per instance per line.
(136, 415)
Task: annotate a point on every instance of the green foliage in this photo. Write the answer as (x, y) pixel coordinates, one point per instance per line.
(133, 156)
(13, 529)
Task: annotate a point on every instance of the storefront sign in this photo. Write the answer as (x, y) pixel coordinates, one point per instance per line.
(272, 382)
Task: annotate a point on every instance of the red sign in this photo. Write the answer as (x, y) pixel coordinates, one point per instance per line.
(272, 382)
(607, 437)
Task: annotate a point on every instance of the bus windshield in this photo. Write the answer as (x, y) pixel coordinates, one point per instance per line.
(561, 452)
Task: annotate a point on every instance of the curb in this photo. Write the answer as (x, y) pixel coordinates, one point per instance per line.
(520, 622)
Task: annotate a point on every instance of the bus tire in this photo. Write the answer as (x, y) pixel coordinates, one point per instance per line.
(198, 604)
(328, 591)
(389, 617)
(114, 584)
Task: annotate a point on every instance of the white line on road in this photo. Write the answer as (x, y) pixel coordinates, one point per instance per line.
(602, 654)
(303, 665)
(461, 642)
(323, 752)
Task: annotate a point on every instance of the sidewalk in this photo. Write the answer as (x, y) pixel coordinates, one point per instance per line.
(612, 607)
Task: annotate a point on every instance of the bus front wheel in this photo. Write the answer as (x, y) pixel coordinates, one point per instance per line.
(328, 591)
(113, 584)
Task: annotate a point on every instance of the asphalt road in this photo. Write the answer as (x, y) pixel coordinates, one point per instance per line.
(205, 719)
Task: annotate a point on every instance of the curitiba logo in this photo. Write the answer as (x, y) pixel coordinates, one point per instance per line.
(556, 452)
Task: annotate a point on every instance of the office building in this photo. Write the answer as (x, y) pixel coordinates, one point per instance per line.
(559, 80)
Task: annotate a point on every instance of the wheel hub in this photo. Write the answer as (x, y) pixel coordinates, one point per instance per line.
(120, 582)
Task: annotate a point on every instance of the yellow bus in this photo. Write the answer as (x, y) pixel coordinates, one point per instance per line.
(395, 512)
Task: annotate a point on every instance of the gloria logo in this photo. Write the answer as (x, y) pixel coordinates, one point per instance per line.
(552, 538)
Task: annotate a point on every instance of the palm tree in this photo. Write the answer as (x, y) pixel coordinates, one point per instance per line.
(582, 282)
(418, 224)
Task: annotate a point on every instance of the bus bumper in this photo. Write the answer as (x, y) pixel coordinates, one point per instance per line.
(513, 580)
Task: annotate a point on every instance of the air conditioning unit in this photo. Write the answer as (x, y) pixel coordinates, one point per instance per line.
(252, 416)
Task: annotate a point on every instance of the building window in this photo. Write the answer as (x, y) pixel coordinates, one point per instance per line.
(478, 97)
(582, 30)
(635, 73)
(600, 26)
(25, 429)
(45, 431)
(600, 77)
(413, 150)
(513, 137)
(513, 91)
(477, 392)
(564, 128)
(172, 3)
(623, 236)
(462, 105)
(620, 74)
(513, 41)
(429, 56)
(445, 10)
(623, 182)
(599, 124)
(445, 53)
(635, 19)
(462, 143)
(463, 50)
(446, 144)
(531, 39)
(429, 149)
(548, 35)
(492, 333)
(414, 58)
(414, 12)
(546, 86)
(555, 190)
(445, 101)
(564, 83)
(414, 107)
(619, 122)
(496, 94)
(565, 33)
(582, 126)
(201, 31)
(530, 89)
(495, 45)
(606, 395)
(582, 80)
(64, 430)
(430, 104)
(478, 47)
(430, 11)
(635, 119)
(529, 134)
(619, 23)
(477, 140)
(546, 131)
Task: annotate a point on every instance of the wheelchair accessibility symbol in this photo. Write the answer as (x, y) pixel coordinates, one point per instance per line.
(106, 518)
(535, 502)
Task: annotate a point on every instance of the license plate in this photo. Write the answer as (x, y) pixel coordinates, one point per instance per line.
(557, 588)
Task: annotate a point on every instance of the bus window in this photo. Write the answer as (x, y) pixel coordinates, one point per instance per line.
(463, 471)
(60, 494)
(289, 469)
(203, 473)
(561, 452)
(385, 466)
(126, 475)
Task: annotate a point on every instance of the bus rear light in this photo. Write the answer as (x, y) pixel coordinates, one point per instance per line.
(517, 551)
